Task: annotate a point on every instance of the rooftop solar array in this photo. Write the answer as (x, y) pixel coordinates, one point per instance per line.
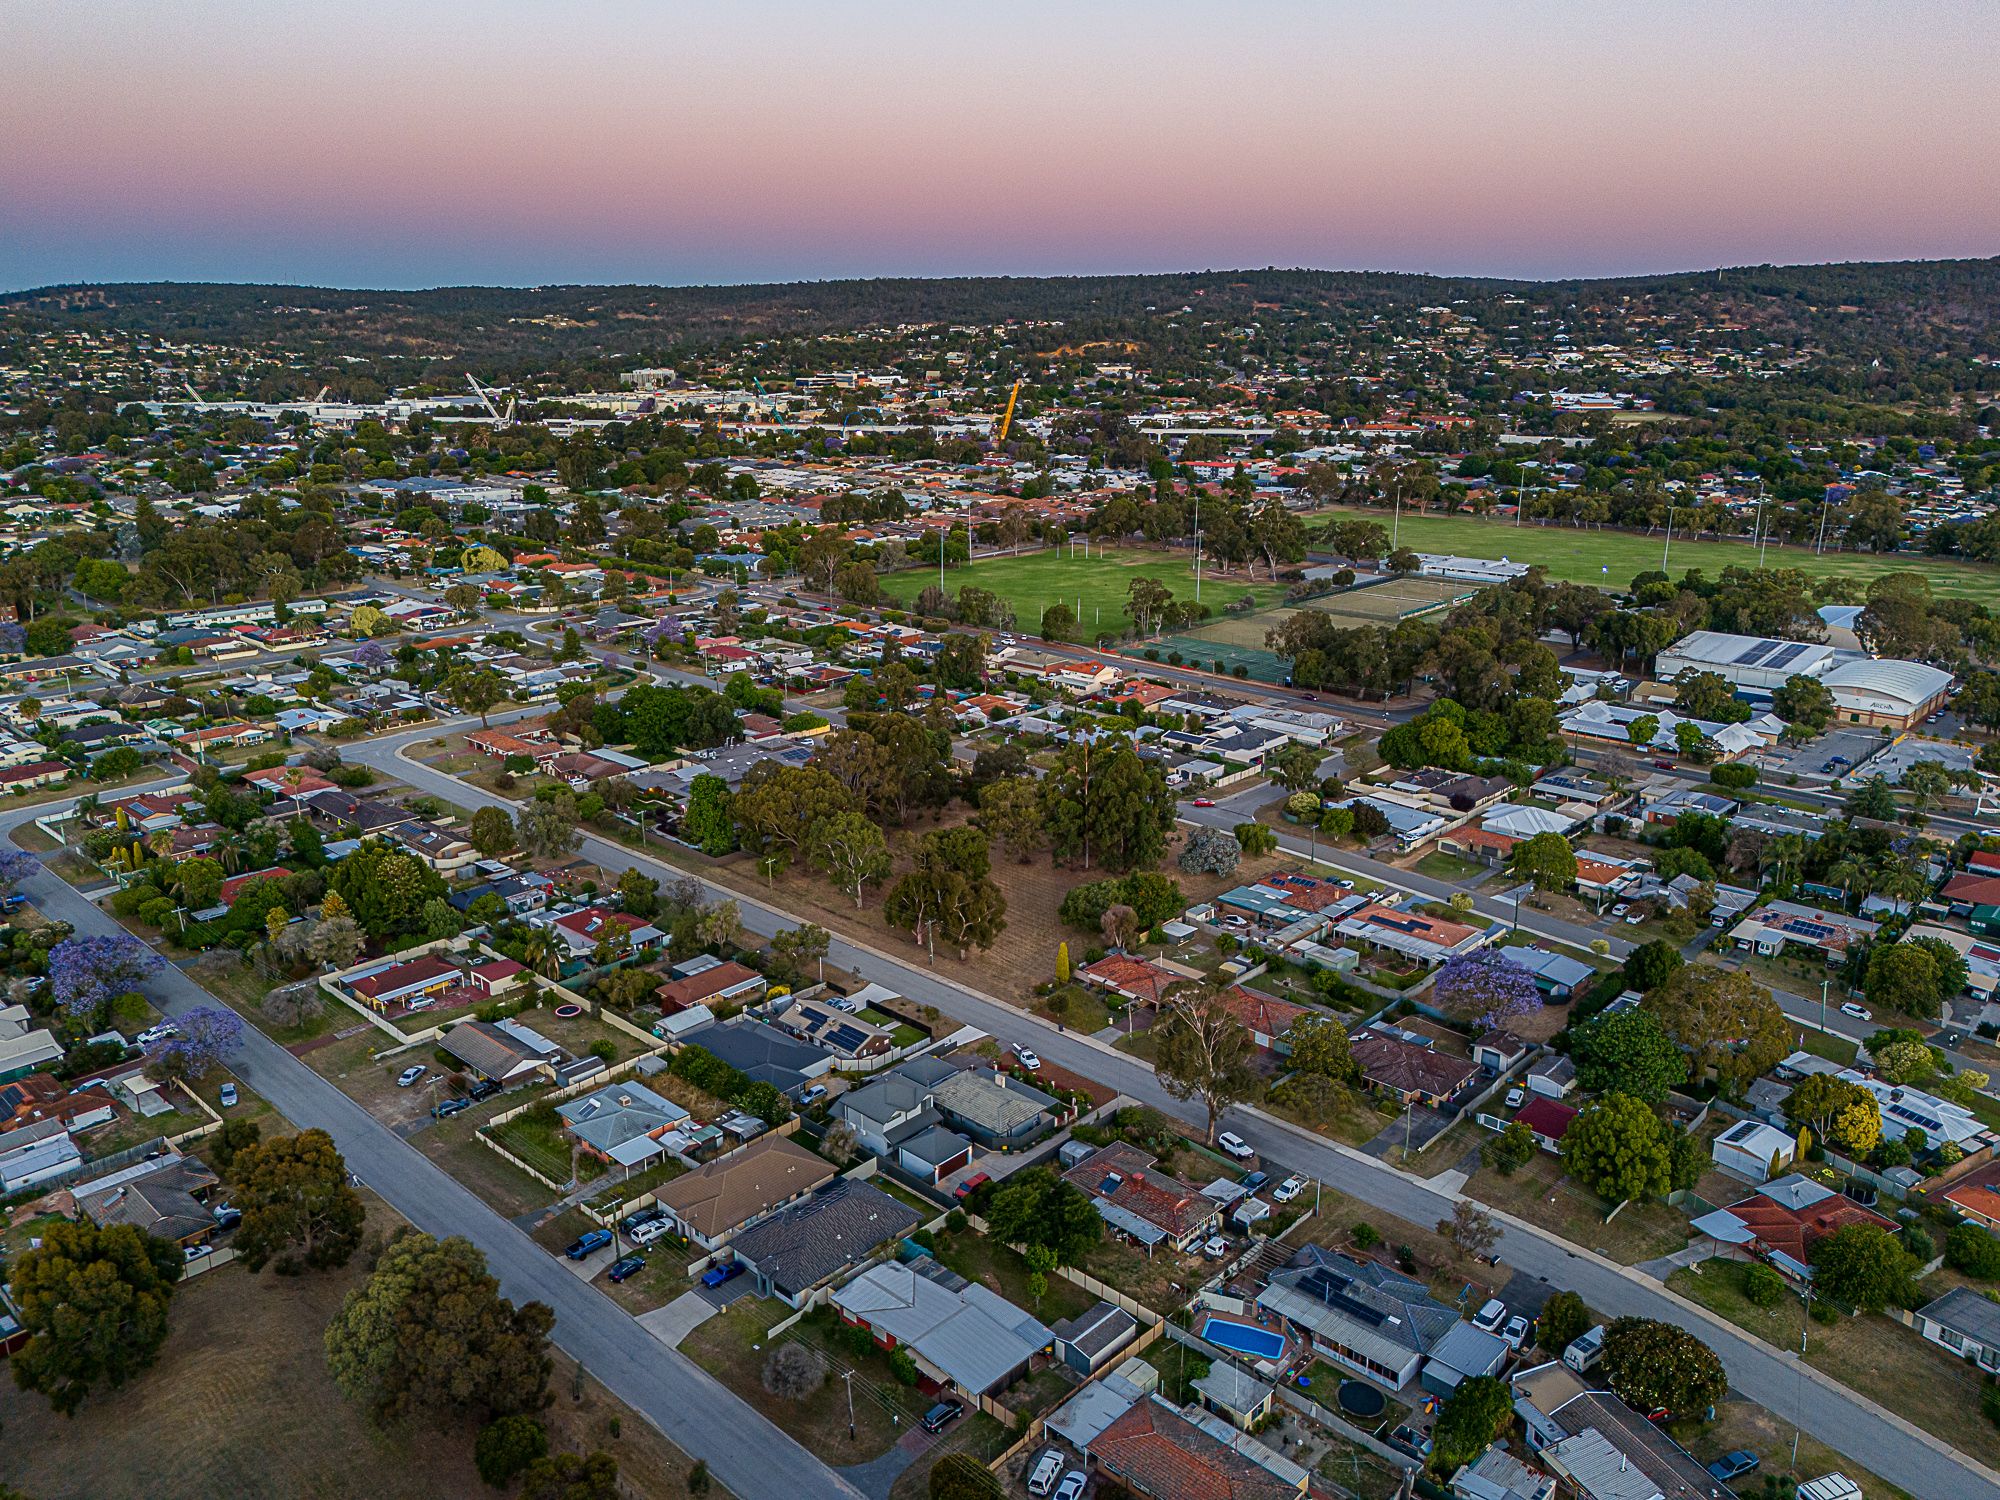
(1332, 1290)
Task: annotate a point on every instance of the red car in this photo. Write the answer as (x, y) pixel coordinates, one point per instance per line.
(966, 1188)
(1204, 802)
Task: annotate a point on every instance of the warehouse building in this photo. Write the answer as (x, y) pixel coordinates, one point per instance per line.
(1882, 693)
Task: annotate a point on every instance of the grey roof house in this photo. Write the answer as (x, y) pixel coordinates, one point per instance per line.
(809, 1243)
(623, 1122)
(958, 1332)
(1359, 1314)
(1965, 1323)
(763, 1053)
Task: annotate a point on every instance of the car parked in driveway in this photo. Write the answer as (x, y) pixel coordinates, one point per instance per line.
(412, 1074)
(1217, 1248)
(943, 1415)
(1491, 1316)
(158, 1033)
(971, 1185)
(227, 1096)
(627, 1266)
(588, 1243)
(1516, 1332)
(1026, 1057)
(1071, 1487)
(450, 1107)
(729, 1270)
(1289, 1189)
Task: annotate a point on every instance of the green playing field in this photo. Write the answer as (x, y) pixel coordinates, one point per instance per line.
(1612, 558)
(1094, 586)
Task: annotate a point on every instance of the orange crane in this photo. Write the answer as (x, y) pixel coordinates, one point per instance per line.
(1007, 417)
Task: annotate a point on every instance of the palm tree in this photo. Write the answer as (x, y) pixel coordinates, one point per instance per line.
(1851, 875)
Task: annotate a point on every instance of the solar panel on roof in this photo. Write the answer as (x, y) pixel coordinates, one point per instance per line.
(1787, 656)
(1329, 1290)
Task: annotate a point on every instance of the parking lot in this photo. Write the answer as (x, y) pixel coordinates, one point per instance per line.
(1842, 749)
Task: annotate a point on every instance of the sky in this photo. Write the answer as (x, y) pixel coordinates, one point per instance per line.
(521, 142)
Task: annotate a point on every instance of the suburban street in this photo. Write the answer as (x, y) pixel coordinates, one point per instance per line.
(1838, 1417)
(694, 1411)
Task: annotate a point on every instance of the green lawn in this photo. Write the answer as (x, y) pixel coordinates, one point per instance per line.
(1033, 582)
(1585, 556)
(1449, 867)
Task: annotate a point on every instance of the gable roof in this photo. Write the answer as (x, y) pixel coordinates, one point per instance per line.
(1165, 1455)
(720, 1195)
(974, 1335)
(805, 1243)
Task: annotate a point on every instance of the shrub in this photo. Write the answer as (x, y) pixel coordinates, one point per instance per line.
(1762, 1286)
(1972, 1251)
(605, 1048)
(1734, 776)
(1366, 1236)
(791, 1372)
(507, 1446)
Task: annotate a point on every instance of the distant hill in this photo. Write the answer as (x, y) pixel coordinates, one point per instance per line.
(1908, 309)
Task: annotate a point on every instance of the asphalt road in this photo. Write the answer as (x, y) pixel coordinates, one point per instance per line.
(750, 1455)
(1836, 1416)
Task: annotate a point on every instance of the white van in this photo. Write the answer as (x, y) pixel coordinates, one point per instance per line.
(1048, 1469)
(1585, 1350)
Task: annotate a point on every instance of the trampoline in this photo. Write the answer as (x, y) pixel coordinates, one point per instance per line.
(567, 1011)
(1244, 1338)
(1359, 1399)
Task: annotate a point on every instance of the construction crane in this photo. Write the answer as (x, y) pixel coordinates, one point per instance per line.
(194, 393)
(322, 394)
(772, 405)
(1007, 417)
(484, 399)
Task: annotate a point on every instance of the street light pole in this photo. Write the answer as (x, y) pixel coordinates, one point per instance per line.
(1823, 986)
(848, 1377)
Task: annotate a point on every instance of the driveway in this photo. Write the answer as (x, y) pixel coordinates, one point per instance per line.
(1424, 1125)
(679, 1318)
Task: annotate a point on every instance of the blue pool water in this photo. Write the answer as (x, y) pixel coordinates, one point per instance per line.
(1243, 1338)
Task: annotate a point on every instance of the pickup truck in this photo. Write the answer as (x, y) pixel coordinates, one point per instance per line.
(588, 1243)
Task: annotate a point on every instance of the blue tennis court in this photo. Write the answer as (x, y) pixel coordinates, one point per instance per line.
(1244, 1338)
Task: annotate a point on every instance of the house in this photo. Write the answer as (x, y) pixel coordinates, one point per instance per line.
(1265, 1017)
(399, 984)
(895, 1106)
(1600, 1448)
(996, 1110)
(499, 1052)
(696, 983)
(40, 1099)
(718, 1199)
(1754, 1150)
(1967, 1324)
(1429, 940)
(763, 1053)
(806, 1244)
(162, 1196)
(35, 774)
(1976, 1195)
(1781, 1224)
(1136, 1198)
(1548, 1121)
(1782, 924)
(1557, 975)
(1905, 1109)
(1138, 980)
(1157, 1451)
(622, 1123)
(1358, 1314)
(440, 848)
(1408, 1068)
(619, 933)
(24, 1047)
(838, 1031)
(1498, 1475)
(1090, 1340)
(959, 1333)
(1553, 1075)
(1498, 1050)
(30, 1157)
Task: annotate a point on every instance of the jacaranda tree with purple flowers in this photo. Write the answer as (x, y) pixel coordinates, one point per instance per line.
(1485, 986)
(208, 1035)
(15, 867)
(373, 656)
(87, 973)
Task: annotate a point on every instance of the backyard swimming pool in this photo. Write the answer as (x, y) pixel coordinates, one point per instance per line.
(1244, 1338)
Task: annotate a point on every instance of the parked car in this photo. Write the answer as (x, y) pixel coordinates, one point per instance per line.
(412, 1074)
(1253, 1181)
(1345, 885)
(1731, 1465)
(1490, 1316)
(632, 1223)
(1859, 1012)
(1635, 919)
(227, 1095)
(1289, 1189)
(1663, 765)
(729, 1270)
(971, 1185)
(451, 1107)
(1072, 1486)
(1516, 1332)
(627, 1266)
(1048, 1469)
(648, 1232)
(1235, 1145)
(812, 1096)
(1217, 1248)
(196, 1252)
(1026, 1057)
(1204, 802)
(589, 1243)
(1516, 1098)
(1621, 908)
(943, 1415)
(226, 1215)
(158, 1033)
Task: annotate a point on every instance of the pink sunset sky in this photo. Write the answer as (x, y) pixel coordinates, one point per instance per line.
(502, 141)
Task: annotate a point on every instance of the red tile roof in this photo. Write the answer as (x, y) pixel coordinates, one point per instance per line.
(1796, 1230)
(1164, 1455)
(1548, 1118)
